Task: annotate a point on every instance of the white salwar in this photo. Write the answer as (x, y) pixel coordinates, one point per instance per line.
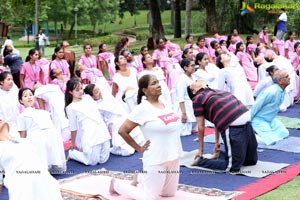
(25, 176)
(92, 137)
(42, 134)
(181, 95)
(55, 104)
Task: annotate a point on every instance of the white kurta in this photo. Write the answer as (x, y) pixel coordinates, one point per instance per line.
(114, 115)
(92, 134)
(209, 75)
(9, 109)
(123, 83)
(233, 80)
(181, 95)
(43, 136)
(25, 176)
(55, 104)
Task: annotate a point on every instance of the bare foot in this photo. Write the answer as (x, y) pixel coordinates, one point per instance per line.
(112, 190)
(195, 162)
(135, 180)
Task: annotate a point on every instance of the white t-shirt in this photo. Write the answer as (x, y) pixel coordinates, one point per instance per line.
(283, 17)
(161, 127)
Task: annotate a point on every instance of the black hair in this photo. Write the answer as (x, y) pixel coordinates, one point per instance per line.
(185, 63)
(71, 85)
(57, 49)
(213, 43)
(89, 89)
(296, 45)
(270, 69)
(100, 47)
(143, 83)
(199, 57)
(190, 92)
(30, 53)
(187, 37)
(247, 39)
(185, 51)
(21, 92)
(51, 74)
(219, 63)
(3, 75)
(238, 45)
(117, 67)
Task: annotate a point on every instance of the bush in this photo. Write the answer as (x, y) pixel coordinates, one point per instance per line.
(108, 39)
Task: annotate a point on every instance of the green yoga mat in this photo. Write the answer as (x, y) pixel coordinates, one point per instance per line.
(290, 122)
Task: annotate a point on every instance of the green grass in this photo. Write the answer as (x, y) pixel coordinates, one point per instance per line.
(288, 191)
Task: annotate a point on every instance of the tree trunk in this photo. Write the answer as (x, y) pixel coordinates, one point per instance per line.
(157, 27)
(172, 13)
(188, 13)
(177, 19)
(211, 16)
(71, 30)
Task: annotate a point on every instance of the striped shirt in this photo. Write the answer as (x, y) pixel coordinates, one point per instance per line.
(217, 106)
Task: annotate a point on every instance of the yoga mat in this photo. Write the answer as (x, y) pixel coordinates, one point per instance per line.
(289, 122)
(261, 169)
(98, 182)
(289, 144)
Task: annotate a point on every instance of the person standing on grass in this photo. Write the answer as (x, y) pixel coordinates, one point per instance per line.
(281, 24)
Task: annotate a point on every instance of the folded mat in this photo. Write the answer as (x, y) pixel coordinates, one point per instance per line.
(289, 122)
(289, 144)
(96, 185)
(261, 169)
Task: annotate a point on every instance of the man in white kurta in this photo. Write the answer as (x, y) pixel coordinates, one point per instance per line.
(266, 107)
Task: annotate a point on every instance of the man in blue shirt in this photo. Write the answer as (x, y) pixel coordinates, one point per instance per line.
(266, 107)
(281, 25)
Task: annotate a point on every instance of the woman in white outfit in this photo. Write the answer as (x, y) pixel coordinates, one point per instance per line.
(162, 150)
(51, 98)
(149, 68)
(124, 86)
(25, 176)
(36, 126)
(9, 105)
(183, 105)
(113, 115)
(233, 80)
(89, 135)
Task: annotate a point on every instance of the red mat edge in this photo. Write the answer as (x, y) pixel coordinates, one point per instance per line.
(269, 183)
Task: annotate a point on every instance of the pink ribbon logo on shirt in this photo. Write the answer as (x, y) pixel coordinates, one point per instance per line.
(168, 118)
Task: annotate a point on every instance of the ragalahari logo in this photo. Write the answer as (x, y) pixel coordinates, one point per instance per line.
(246, 8)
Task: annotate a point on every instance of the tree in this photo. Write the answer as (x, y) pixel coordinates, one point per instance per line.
(188, 13)
(157, 27)
(211, 16)
(177, 19)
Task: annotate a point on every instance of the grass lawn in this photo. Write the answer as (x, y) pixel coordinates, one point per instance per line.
(288, 191)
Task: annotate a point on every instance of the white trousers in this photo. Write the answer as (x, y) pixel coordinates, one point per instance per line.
(99, 154)
(159, 180)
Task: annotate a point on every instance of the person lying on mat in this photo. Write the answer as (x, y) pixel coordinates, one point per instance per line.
(162, 149)
(26, 177)
(266, 108)
(232, 120)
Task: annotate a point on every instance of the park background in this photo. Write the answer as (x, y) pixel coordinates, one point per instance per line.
(105, 21)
